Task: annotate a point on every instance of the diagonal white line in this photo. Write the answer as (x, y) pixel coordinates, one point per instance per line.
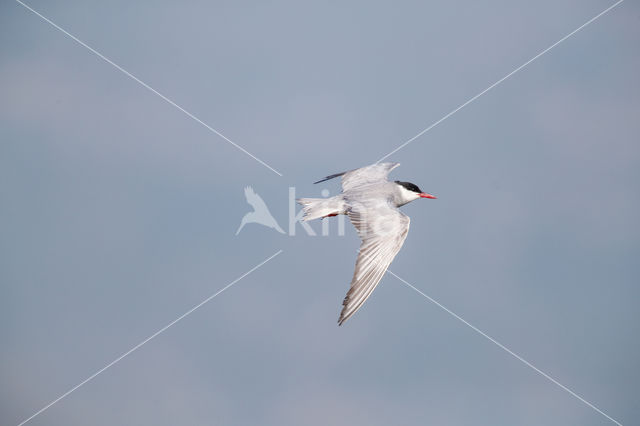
(88, 379)
(142, 83)
(501, 80)
(503, 347)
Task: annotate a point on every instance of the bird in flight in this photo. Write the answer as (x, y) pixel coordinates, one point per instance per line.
(260, 213)
(371, 202)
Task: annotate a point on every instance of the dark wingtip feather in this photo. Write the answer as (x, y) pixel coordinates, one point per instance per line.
(330, 177)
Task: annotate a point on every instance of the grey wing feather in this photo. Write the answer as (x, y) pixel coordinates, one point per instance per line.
(329, 177)
(364, 175)
(383, 229)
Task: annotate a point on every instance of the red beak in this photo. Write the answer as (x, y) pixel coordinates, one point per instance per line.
(425, 195)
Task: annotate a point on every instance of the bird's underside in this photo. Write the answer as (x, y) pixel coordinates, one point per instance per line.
(382, 229)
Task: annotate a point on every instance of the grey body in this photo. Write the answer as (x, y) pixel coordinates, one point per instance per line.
(371, 202)
(365, 185)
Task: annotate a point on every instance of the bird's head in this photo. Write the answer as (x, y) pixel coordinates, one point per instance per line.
(410, 191)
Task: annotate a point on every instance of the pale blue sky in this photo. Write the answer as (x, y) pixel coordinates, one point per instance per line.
(118, 212)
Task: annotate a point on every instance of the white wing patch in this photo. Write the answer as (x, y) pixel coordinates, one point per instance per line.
(383, 229)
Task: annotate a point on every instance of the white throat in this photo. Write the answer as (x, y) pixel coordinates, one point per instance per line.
(404, 196)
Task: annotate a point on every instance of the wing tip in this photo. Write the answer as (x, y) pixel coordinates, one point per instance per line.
(335, 175)
(344, 314)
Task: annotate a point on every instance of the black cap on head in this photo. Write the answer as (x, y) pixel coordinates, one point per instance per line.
(410, 186)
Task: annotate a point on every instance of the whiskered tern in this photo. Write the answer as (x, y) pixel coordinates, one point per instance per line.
(371, 202)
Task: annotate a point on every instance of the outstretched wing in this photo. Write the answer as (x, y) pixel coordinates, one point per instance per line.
(364, 175)
(383, 229)
(255, 200)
